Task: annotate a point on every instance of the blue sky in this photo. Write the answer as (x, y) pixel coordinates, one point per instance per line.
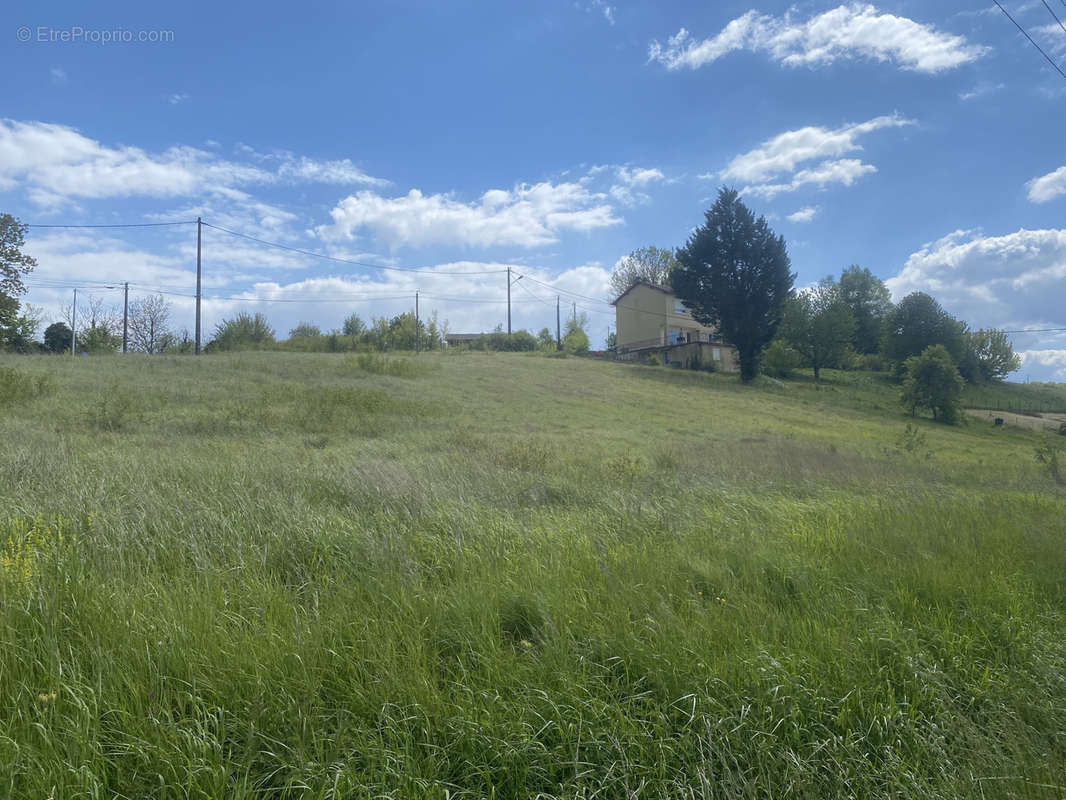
(921, 140)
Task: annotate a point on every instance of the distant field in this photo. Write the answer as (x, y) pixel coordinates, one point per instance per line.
(1018, 397)
(274, 575)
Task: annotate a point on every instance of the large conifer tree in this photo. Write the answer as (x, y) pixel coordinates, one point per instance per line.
(735, 276)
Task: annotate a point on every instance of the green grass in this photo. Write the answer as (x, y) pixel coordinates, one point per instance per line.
(1018, 397)
(268, 575)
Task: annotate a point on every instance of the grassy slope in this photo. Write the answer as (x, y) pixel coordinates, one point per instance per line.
(285, 575)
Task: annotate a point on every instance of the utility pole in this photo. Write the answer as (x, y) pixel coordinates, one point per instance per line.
(508, 301)
(125, 316)
(575, 314)
(73, 322)
(199, 230)
(558, 328)
(418, 340)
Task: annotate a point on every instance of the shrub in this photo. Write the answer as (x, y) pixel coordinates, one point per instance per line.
(779, 360)
(932, 381)
(653, 360)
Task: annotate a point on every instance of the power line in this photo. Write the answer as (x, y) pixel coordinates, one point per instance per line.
(1037, 330)
(1030, 38)
(1056, 16)
(116, 225)
(421, 269)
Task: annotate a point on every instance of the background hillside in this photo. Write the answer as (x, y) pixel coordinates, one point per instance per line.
(298, 575)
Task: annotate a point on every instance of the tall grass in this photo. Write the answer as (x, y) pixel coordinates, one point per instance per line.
(514, 577)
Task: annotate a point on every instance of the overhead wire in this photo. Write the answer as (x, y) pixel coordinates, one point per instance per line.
(1032, 41)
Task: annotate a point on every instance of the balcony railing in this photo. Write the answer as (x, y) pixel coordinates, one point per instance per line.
(673, 340)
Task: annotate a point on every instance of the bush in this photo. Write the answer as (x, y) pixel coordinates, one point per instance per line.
(932, 381)
(653, 360)
(779, 360)
(874, 362)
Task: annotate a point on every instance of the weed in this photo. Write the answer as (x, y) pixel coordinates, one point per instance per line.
(112, 411)
(1048, 455)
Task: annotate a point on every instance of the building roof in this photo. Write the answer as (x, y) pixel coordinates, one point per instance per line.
(656, 286)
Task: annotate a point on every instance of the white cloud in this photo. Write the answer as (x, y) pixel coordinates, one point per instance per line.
(805, 214)
(178, 97)
(850, 31)
(631, 182)
(982, 89)
(1052, 360)
(59, 75)
(527, 215)
(1047, 187)
(603, 8)
(1013, 280)
(785, 151)
(343, 172)
(780, 158)
(844, 171)
(57, 164)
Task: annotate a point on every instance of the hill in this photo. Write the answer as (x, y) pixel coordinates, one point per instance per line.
(291, 575)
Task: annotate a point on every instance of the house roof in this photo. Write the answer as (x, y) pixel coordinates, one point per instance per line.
(656, 286)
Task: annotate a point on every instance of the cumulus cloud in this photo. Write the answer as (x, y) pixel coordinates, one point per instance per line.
(805, 214)
(848, 32)
(528, 215)
(785, 151)
(774, 166)
(1012, 280)
(1047, 187)
(1051, 360)
(631, 183)
(57, 164)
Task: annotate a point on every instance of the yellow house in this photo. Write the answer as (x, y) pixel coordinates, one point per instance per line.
(650, 320)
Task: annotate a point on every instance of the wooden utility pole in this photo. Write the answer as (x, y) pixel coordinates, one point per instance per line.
(508, 301)
(199, 230)
(73, 322)
(125, 316)
(418, 340)
(558, 327)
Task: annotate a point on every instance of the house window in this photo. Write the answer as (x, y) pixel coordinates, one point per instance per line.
(679, 307)
(716, 353)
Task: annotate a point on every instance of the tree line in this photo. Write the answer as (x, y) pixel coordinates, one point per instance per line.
(734, 274)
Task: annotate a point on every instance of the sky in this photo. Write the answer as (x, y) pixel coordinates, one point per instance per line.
(452, 141)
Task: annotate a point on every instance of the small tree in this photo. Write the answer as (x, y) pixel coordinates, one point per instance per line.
(735, 276)
(14, 264)
(148, 319)
(932, 381)
(243, 332)
(647, 264)
(818, 326)
(576, 340)
(57, 337)
(545, 340)
(354, 326)
(988, 356)
(305, 330)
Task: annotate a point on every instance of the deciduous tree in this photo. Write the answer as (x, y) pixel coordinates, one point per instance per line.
(870, 302)
(932, 381)
(818, 325)
(918, 322)
(647, 264)
(988, 356)
(148, 320)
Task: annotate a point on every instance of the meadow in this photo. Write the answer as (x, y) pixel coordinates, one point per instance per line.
(282, 575)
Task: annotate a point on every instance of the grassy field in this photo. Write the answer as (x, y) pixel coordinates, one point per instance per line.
(282, 575)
